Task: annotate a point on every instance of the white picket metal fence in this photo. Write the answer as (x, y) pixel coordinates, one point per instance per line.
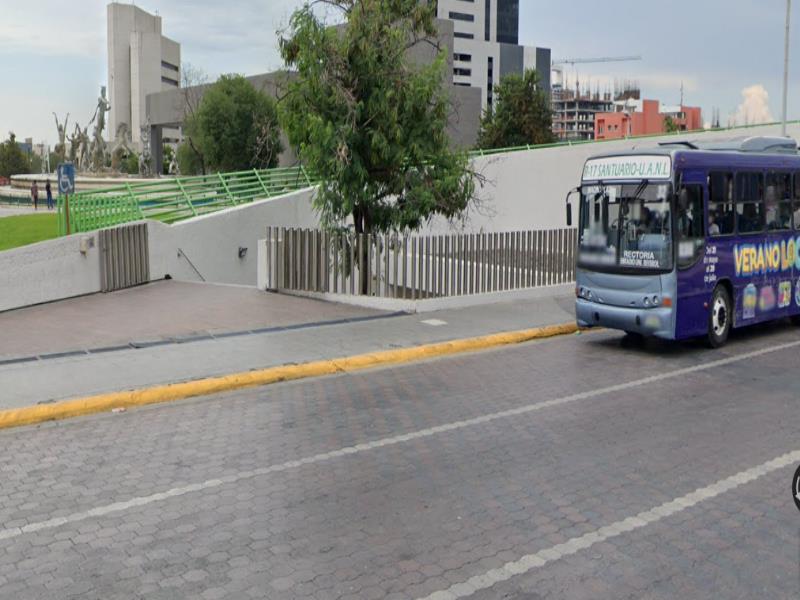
(417, 266)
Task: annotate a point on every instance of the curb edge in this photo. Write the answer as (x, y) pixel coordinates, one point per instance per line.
(32, 415)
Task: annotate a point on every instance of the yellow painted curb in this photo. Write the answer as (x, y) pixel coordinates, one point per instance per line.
(31, 415)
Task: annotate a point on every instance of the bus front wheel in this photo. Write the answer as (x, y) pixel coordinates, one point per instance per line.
(720, 317)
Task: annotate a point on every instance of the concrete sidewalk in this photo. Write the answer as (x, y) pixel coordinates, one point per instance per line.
(160, 311)
(41, 381)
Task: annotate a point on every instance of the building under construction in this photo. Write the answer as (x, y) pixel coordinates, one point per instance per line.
(574, 110)
(573, 113)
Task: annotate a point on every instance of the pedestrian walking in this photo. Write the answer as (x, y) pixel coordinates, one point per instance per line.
(49, 191)
(35, 196)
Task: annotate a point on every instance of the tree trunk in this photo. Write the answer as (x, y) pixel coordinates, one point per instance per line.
(362, 226)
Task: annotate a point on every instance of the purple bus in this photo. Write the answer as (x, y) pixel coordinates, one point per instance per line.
(689, 239)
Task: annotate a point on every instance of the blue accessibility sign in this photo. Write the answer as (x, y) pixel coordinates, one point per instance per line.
(66, 178)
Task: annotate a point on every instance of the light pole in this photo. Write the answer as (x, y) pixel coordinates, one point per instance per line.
(786, 66)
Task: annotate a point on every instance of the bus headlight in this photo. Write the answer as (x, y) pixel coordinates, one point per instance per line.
(655, 301)
(646, 301)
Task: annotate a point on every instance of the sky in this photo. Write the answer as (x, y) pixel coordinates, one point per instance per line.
(53, 58)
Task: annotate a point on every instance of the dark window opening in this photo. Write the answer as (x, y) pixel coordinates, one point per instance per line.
(508, 21)
(720, 204)
(459, 16)
(796, 197)
(487, 29)
(749, 194)
(691, 231)
(778, 201)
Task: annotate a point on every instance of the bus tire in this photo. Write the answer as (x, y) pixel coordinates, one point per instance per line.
(795, 319)
(720, 317)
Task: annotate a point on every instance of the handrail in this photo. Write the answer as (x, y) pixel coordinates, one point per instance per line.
(176, 198)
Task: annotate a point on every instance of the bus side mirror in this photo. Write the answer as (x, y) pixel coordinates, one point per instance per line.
(569, 206)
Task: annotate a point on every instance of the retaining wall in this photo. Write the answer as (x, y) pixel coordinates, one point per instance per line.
(527, 189)
(206, 248)
(51, 270)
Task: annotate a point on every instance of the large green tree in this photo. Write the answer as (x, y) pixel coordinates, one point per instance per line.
(13, 161)
(369, 121)
(521, 114)
(235, 127)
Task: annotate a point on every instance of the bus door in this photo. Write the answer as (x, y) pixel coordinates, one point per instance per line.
(690, 235)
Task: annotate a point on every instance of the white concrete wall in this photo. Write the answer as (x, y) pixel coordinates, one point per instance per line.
(211, 242)
(527, 189)
(48, 271)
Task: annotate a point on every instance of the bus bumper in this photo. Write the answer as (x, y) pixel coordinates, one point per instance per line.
(655, 322)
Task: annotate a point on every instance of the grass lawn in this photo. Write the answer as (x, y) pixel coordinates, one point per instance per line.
(20, 230)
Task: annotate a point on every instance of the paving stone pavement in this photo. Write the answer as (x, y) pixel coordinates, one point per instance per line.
(56, 378)
(412, 518)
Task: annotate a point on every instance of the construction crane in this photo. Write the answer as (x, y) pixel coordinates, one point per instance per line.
(558, 65)
(602, 59)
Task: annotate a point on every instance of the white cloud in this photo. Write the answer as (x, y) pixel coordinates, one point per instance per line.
(754, 108)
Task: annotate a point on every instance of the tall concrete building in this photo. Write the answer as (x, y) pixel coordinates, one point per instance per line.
(167, 109)
(486, 45)
(141, 61)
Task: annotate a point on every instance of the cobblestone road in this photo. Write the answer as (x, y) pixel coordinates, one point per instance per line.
(548, 470)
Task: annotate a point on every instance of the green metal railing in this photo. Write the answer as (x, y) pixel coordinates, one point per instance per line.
(173, 199)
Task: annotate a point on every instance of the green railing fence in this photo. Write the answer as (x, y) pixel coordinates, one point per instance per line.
(175, 198)
(172, 199)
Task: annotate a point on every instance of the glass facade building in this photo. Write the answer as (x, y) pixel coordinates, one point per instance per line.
(508, 21)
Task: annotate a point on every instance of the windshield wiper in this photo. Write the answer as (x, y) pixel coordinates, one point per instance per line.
(639, 189)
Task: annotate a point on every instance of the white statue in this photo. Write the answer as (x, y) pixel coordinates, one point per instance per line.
(61, 147)
(144, 157)
(98, 144)
(174, 169)
(122, 146)
(84, 154)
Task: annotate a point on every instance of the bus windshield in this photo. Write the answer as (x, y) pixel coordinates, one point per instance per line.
(626, 226)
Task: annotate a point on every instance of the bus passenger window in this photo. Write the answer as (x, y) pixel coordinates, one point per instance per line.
(720, 204)
(689, 223)
(796, 201)
(749, 202)
(778, 202)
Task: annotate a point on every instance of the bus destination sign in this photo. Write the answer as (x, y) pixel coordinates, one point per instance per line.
(628, 167)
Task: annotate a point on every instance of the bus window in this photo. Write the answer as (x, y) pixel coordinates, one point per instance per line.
(778, 202)
(720, 204)
(689, 222)
(749, 191)
(796, 197)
